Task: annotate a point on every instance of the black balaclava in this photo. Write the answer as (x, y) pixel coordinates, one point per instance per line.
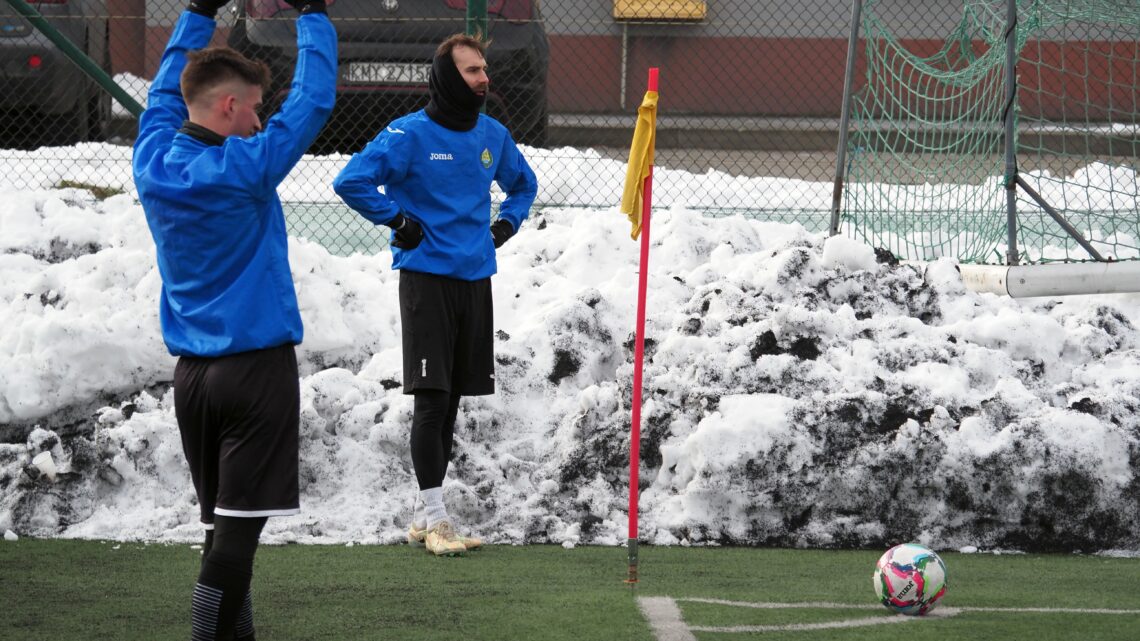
(452, 104)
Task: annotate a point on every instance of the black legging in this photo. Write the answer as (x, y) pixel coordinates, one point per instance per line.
(238, 536)
(433, 431)
(227, 568)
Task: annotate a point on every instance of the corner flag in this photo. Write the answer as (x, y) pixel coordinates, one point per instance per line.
(641, 157)
(635, 203)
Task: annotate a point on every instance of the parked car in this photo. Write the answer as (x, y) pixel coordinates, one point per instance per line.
(385, 52)
(45, 97)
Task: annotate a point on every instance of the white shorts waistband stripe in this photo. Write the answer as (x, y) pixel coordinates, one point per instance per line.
(222, 511)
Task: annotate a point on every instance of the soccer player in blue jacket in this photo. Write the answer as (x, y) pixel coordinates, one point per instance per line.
(436, 166)
(207, 174)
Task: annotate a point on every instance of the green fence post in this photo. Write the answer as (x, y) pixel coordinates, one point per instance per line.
(477, 18)
(86, 64)
(477, 24)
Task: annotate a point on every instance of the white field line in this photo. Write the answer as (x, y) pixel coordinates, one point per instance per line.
(845, 606)
(784, 606)
(665, 617)
(793, 627)
(1051, 610)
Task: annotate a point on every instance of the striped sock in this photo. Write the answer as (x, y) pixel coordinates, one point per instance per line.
(243, 630)
(222, 605)
(221, 596)
(204, 607)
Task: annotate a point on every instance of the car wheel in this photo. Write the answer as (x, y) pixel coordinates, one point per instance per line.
(535, 134)
(98, 116)
(67, 128)
(23, 130)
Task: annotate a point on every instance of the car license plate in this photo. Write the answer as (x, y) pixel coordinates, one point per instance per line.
(387, 73)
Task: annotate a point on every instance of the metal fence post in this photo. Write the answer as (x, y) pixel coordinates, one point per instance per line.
(1011, 256)
(477, 18)
(845, 114)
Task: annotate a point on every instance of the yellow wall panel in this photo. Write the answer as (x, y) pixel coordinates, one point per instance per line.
(660, 10)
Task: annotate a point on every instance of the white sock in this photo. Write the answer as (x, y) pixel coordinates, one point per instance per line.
(419, 521)
(434, 511)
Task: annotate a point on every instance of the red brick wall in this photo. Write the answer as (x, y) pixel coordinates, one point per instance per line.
(740, 76)
(778, 77)
(127, 28)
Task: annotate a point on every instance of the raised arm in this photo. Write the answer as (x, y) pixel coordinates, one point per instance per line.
(290, 132)
(165, 109)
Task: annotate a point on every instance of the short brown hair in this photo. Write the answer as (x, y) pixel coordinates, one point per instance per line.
(210, 67)
(462, 40)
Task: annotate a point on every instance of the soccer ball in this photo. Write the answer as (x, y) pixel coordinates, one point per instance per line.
(910, 579)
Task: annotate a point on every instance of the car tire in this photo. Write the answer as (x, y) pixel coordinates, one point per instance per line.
(98, 116)
(68, 128)
(536, 134)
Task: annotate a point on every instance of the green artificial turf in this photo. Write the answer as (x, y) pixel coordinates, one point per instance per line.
(90, 590)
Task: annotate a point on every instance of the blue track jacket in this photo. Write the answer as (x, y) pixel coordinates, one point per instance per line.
(442, 179)
(213, 210)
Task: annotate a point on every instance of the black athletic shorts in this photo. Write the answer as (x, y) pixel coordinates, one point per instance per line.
(239, 416)
(448, 337)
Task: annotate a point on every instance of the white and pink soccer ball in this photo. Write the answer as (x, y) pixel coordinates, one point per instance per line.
(910, 579)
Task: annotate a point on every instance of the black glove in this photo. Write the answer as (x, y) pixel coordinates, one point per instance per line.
(305, 7)
(408, 234)
(208, 8)
(501, 232)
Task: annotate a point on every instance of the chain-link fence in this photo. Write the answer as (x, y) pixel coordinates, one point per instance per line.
(748, 119)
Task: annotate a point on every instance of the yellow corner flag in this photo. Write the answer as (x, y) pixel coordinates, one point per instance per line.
(640, 160)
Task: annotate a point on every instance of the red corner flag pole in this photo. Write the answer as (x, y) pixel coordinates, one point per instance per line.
(639, 354)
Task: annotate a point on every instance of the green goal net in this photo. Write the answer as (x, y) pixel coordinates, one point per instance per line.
(925, 167)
